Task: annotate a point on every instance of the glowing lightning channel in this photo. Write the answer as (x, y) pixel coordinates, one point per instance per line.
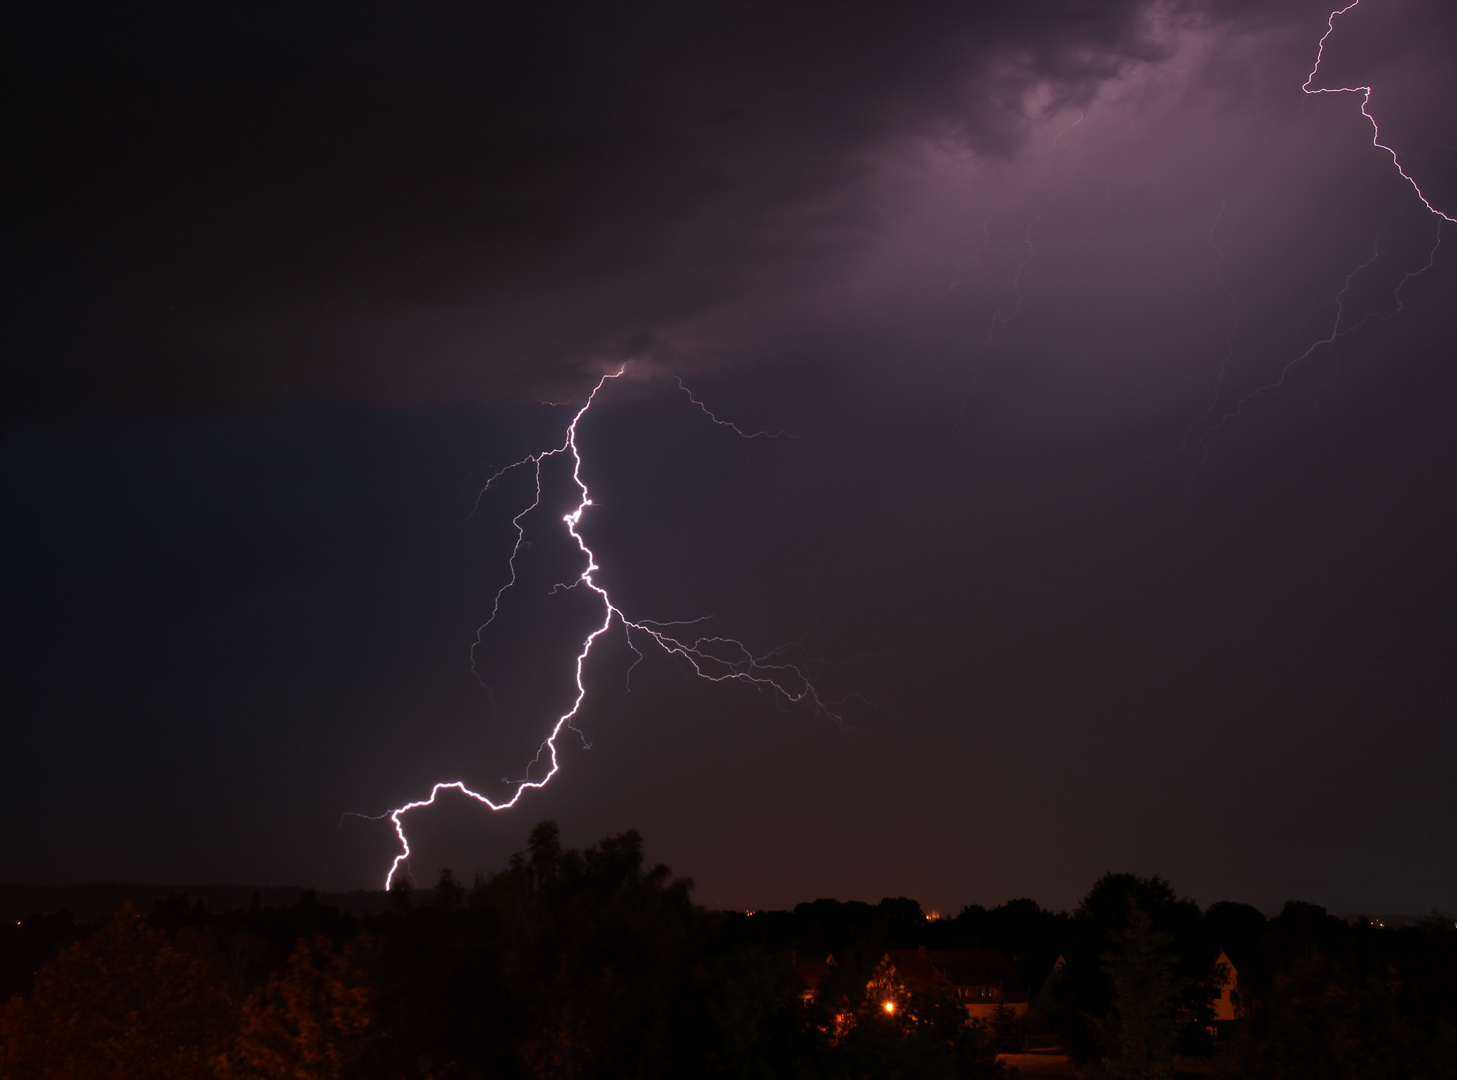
(1365, 92)
(1337, 330)
(714, 658)
(740, 432)
(998, 318)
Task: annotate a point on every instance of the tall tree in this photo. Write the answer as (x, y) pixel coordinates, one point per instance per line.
(308, 1022)
(1085, 989)
(1139, 1034)
(124, 1004)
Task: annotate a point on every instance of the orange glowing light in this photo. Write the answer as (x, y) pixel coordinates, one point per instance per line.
(889, 1006)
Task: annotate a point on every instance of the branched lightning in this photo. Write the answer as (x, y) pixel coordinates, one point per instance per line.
(1365, 92)
(1064, 131)
(711, 657)
(1337, 330)
(781, 434)
(986, 238)
(999, 317)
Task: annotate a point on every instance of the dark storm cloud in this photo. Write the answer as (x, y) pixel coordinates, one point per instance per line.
(224, 206)
(1009, 269)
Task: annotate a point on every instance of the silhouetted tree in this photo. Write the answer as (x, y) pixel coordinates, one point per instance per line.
(29, 944)
(1029, 935)
(125, 1003)
(575, 964)
(1237, 930)
(1085, 989)
(308, 1022)
(1139, 1033)
(1338, 1002)
(921, 1036)
(1007, 1029)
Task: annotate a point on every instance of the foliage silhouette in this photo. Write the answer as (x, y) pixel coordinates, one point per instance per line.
(1086, 990)
(124, 1003)
(1325, 998)
(594, 964)
(1139, 1033)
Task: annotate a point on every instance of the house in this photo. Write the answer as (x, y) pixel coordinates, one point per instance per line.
(1046, 1000)
(1226, 1005)
(812, 972)
(980, 979)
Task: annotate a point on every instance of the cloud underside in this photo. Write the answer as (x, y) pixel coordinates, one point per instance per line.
(243, 207)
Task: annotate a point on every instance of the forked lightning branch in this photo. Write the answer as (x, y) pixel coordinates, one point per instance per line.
(723, 659)
(713, 658)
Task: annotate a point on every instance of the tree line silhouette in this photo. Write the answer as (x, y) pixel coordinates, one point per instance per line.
(593, 963)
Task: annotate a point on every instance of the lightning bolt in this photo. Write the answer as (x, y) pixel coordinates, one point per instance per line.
(740, 432)
(1064, 131)
(999, 317)
(1337, 330)
(713, 658)
(1365, 92)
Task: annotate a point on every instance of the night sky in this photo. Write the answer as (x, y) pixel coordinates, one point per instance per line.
(1098, 578)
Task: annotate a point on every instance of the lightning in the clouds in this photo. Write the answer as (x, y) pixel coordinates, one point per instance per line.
(1337, 329)
(729, 424)
(714, 658)
(998, 317)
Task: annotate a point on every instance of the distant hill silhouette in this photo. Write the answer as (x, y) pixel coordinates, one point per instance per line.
(92, 900)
